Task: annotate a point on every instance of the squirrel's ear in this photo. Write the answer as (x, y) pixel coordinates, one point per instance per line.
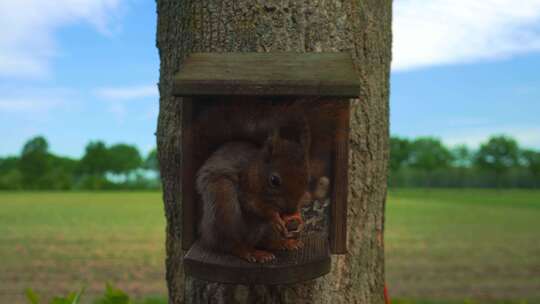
(271, 144)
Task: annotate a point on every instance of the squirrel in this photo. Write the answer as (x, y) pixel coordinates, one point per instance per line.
(251, 191)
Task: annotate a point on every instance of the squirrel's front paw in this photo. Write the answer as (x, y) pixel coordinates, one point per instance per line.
(279, 226)
(294, 223)
(252, 255)
(293, 217)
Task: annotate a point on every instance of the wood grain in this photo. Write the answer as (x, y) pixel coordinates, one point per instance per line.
(189, 219)
(268, 74)
(360, 27)
(338, 224)
(308, 263)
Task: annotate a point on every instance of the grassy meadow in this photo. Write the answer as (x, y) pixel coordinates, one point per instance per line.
(58, 242)
(449, 245)
(456, 244)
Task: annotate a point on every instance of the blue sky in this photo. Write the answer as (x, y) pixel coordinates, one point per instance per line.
(81, 70)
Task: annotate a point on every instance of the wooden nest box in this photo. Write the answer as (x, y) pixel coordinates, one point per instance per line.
(243, 86)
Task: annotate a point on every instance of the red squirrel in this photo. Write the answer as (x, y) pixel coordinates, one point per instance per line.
(250, 192)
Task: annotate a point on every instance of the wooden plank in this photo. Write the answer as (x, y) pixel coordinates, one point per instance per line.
(268, 74)
(189, 218)
(338, 225)
(308, 263)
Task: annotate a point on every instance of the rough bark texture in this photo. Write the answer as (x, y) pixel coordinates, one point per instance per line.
(361, 27)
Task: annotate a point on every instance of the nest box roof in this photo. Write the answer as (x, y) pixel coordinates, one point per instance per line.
(268, 74)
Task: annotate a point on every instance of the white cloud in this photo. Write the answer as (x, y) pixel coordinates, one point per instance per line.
(128, 93)
(25, 105)
(438, 32)
(32, 100)
(526, 135)
(27, 30)
(118, 98)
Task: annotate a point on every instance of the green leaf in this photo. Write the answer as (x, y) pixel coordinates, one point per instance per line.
(64, 300)
(32, 297)
(113, 296)
(78, 296)
(60, 300)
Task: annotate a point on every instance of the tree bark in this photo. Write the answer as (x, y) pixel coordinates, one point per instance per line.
(361, 27)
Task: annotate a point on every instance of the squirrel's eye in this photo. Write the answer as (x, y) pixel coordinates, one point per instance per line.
(275, 180)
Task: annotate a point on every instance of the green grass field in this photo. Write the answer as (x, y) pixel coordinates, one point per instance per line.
(58, 242)
(440, 244)
(456, 244)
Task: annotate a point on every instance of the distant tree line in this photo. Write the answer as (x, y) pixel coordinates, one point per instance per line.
(498, 162)
(420, 162)
(102, 167)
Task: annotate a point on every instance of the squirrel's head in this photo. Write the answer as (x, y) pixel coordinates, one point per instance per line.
(284, 172)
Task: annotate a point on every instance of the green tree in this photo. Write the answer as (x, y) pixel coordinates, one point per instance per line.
(428, 154)
(35, 162)
(498, 155)
(61, 176)
(96, 160)
(532, 162)
(8, 163)
(66, 164)
(400, 151)
(151, 161)
(462, 156)
(124, 159)
(10, 176)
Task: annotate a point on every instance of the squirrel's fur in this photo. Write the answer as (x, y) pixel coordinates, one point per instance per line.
(247, 188)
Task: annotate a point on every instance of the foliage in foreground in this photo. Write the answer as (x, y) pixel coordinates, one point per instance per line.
(402, 301)
(111, 295)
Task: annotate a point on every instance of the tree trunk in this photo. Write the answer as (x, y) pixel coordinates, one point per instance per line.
(361, 27)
